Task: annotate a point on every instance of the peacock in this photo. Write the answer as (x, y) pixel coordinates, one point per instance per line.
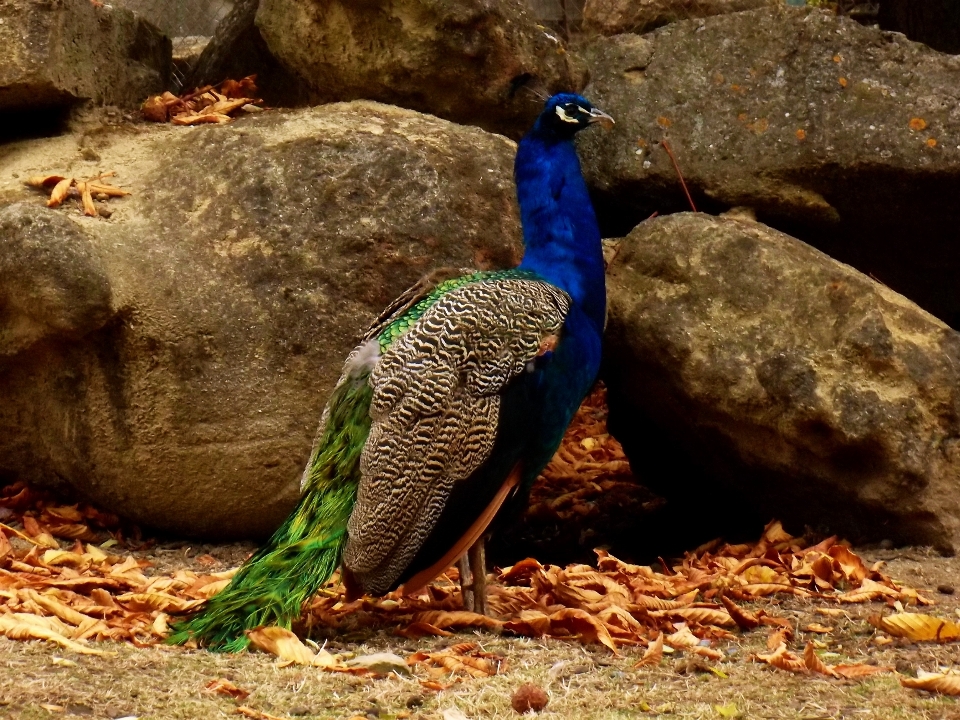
(454, 401)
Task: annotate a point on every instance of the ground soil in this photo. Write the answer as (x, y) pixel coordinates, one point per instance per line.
(38, 680)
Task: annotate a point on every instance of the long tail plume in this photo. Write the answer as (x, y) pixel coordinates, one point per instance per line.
(302, 554)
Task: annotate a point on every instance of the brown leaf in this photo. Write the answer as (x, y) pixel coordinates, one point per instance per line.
(814, 663)
(817, 628)
(653, 654)
(417, 630)
(196, 118)
(458, 619)
(783, 659)
(22, 626)
(287, 646)
(744, 619)
(858, 670)
(89, 209)
(699, 616)
(222, 686)
(917, 627)
(581, 624)
(59, 193)
(943, 684)
(774, 533)
(43, 182)
(154, 109)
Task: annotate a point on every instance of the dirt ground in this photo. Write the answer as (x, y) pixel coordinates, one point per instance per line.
(38, 680)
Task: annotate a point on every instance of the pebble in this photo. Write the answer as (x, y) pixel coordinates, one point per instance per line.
(946, 589)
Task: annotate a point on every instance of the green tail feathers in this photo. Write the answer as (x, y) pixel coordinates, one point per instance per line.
(302, 554)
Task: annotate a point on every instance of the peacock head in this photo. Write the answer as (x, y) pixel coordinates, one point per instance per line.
(566, 113)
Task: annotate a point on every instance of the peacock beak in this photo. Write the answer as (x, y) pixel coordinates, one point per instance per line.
(598, 116)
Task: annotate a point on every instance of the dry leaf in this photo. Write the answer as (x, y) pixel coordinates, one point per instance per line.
(917, 627)
(59, 193)
(222, 686)
(943, 684)
(19, 626)
(859, 670)
(287, 646)
(653, 654)
(814, 663)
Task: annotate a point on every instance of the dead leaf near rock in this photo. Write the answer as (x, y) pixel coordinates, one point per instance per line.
(807, 118)
(752, 372)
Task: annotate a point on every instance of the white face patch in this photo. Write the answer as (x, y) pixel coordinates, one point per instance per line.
(562, 114)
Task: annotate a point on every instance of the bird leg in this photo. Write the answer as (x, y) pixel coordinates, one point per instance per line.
(477, 556)
(473, 578)
(466, 582)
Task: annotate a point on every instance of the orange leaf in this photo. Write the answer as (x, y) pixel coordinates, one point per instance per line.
(458, 619)
(583, 625)
(917, 627)
(774, 533)
(417, 630)
(745, 620)
(814, 663)
(783, 659)
(859, 670)
(287, 646)
(222, 686)
(944, 684)
(653, 654)
(43, 182)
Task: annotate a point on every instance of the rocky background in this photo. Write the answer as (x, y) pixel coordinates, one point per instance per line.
(787, 351)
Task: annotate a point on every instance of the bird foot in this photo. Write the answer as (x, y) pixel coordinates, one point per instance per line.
(473, 578)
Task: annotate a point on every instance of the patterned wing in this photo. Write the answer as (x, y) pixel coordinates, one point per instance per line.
(435, 413)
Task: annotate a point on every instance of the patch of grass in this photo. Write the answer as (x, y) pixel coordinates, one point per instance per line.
(162, 683)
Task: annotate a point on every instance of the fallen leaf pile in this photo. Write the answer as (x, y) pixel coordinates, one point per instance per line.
(209, 104)
(588, 469)
(586, 496)
(62, 188)
(61, 580)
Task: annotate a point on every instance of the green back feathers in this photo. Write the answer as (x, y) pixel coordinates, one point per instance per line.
(403, 323)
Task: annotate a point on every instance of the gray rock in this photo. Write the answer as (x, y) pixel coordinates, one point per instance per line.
(52, 282)
(748, 371)
(239, 273)
(55, 54)
(462, 60)
(237, 50)
(612, 17)
(841, 135)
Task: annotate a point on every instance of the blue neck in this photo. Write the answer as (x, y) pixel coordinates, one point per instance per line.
(560, 229)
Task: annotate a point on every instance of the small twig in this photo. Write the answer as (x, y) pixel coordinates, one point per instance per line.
(679, 174)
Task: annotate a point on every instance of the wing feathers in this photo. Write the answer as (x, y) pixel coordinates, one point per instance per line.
(435, 413)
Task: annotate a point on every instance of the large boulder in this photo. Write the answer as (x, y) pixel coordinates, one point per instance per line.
(844, 136)
(60, 52)
(171, 362)
(748, 371)
(463, 60)
(612, 17)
